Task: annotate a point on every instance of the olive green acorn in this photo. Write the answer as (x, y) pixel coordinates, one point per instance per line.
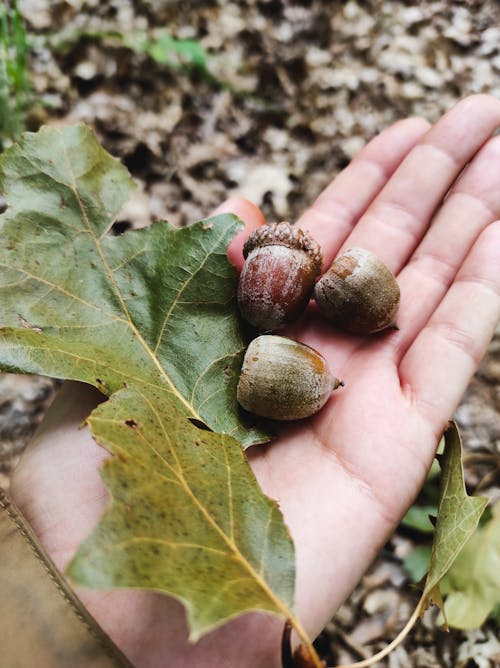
(283, 379)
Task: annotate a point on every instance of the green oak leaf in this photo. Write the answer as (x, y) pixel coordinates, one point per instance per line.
(187, 517)
(457, 519)
(153, 308)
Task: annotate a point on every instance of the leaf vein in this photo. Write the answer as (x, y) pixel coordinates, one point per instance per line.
(170, 543)
(184, 285)
(66, 293)
(114, 286)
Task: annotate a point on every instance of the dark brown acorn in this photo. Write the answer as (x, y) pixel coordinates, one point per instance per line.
(358, 293)
(277, 280)
(283, 379)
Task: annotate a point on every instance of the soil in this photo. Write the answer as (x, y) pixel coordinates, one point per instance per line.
(283, 95)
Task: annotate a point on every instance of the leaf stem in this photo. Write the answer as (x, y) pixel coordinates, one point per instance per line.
(397, 640)
(306, 642)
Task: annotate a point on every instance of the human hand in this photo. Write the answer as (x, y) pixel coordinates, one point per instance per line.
(345, 477)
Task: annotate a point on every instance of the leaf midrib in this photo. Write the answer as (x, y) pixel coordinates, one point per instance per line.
(229, 541)
(117, 292)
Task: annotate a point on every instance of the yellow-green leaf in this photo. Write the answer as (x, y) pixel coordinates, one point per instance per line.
(187, 517)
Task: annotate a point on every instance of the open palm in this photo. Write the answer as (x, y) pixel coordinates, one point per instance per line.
(343, 478)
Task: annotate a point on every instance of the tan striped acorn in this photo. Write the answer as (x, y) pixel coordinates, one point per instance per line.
(358, 293)
(276, 283)
(282, 379)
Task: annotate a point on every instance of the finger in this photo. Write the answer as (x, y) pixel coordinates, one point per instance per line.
(249, 214)
(471, 206)
(398, 218)
(444, 356)
(337, 209)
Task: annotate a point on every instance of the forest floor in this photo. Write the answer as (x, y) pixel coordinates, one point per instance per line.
(270, 99)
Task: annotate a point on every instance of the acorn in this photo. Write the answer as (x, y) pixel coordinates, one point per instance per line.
(283, 379)
(277, 280)
(358, 293)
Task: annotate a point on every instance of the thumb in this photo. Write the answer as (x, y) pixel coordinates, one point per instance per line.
(250, 215)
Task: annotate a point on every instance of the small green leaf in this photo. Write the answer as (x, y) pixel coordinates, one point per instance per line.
(187, 517)
(472, 585)
(174, 52)
(417, 518)
(458, 515)
(168, 50)
(416, 564)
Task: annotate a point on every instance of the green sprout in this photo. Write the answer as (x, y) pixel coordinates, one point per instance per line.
(14, 81)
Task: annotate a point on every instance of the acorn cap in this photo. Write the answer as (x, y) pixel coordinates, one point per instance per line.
(284, 234)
